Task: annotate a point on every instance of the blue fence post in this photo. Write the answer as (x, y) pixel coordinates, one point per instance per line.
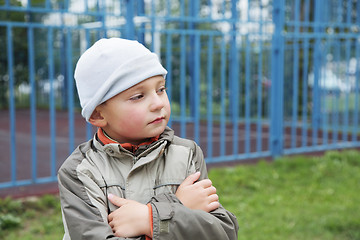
(209, 105)
(234, 78)
(259, 87)
(31, 57)
(183, 115)
(70, 91)
(63, 58)
(169, 53)
(316, 116)
(52, 103)
(305, 66)
(356, 115)
(130, 26)
(347, 80)
(277, 81)
(153, 25)
(192, 56)
(12, 104)
(296, 68)
(222, 96)
(197, 91)
(141, 12)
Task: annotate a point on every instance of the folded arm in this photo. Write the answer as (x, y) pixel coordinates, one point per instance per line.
(173, 220)
(83, 217)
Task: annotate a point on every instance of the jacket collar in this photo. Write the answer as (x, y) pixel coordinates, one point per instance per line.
(105, 139)
(114, 148)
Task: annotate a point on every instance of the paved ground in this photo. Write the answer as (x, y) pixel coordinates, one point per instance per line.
(23, 148)
(24, 145)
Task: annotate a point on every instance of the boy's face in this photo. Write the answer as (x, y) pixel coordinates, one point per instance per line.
(137, 113)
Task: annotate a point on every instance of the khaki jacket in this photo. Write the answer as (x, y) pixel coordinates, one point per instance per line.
(151, 175)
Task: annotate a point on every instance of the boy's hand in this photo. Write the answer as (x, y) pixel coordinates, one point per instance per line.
(200, 195)
(131, 219)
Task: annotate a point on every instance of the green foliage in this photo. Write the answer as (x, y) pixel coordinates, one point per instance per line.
(33, 218)
(8, 205)
(9, 212)
(20, 70)
(9, 221)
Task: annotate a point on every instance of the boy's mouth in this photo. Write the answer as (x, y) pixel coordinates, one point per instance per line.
(157, 120)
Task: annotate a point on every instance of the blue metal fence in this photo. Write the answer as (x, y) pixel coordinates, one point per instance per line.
(246, 78)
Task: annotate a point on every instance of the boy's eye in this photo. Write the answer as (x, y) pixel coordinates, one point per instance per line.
(162, 89)
(136, 97)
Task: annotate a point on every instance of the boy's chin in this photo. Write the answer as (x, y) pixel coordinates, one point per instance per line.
(156, 132)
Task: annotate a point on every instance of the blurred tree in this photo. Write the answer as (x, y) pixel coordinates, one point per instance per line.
(19, 50)
(19, 38)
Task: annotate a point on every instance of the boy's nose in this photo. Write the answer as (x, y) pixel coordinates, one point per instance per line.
(157, 103)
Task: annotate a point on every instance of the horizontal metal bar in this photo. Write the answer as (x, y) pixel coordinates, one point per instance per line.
(53, 11)
(100, 27)
(27, 182)
(317, 148)
(321, 35)
(238, 157)
(322, 24)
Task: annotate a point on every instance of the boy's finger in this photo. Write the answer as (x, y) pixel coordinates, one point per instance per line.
(213, 198)
(205, 183)
(213, 205)
(210, 190)
(117, 201)
(191, 179)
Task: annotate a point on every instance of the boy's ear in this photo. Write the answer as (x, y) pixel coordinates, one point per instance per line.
(97, 119)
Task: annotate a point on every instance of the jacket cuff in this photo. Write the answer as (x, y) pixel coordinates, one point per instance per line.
(163, 212)
(150, 220)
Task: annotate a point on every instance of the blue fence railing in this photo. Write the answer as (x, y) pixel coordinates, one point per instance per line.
(247, 79)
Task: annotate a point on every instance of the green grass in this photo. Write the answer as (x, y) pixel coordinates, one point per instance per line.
(297, 198)
(33, 218)
(291, 198)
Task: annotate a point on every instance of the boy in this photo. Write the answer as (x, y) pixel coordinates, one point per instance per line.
(135, 179)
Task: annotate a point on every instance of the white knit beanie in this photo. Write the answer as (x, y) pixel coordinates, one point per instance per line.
(111, 66)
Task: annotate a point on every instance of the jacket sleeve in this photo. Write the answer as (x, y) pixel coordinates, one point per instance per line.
(83, 215)
(172, 220)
